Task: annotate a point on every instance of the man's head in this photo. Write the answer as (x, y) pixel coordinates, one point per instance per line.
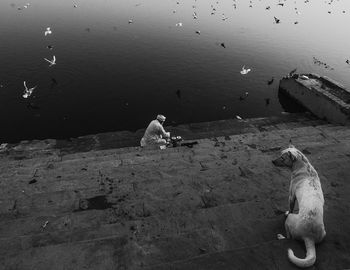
(161, 118)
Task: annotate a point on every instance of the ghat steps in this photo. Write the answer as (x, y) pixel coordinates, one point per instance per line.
(87, 204)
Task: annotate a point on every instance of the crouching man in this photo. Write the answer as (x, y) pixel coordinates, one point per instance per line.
(155, 133)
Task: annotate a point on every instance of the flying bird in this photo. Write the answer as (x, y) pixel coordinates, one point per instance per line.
(52, 62)
(270, 81)
(48, 31)
(223, 45)
(53, 83)
(179, 24)
(277, 20)
(32, 106)
(243, 98)
(245, 71)
(27, 91)
(178, 93)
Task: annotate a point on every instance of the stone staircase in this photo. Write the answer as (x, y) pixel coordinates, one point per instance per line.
(216, 205)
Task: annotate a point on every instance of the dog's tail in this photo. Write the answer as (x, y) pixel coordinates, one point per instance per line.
(310, 254)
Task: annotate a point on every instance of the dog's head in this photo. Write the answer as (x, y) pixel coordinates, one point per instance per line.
(288, 157)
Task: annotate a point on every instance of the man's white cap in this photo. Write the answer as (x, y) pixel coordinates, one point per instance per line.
(161, 117)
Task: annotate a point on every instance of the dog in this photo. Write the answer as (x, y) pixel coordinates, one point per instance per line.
(305, 187)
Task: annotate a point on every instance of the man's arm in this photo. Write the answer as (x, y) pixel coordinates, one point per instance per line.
(163, 132)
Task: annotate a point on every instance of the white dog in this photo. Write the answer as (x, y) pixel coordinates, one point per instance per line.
(305, 187)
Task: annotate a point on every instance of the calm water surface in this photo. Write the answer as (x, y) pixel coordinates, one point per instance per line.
(115, 75)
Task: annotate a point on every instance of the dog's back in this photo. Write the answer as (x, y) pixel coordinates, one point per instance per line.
(310, 200)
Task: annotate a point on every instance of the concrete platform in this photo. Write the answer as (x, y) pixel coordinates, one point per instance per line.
(324, 97)
(85, 204)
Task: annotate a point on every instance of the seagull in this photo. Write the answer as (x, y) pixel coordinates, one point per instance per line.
(131, 21)
(238, 117)
(243, 98)
(270, 81)
(245, 71)
(48, 31)
(27, 92)
(31, 105)
(223, 45)
(75, 5)
(52, 62)
(178, 93)
(277, 20)
(50, 47)
(347, 61)
(53, 82)
(179, 24)
(198, 32)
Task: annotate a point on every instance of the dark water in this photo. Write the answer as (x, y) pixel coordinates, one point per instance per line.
(114, 75)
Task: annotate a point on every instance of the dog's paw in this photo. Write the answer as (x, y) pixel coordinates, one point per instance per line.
(286, 213)
(280, 237)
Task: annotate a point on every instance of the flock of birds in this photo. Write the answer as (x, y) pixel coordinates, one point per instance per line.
(29, 91)
(323, 64)
(214, 9)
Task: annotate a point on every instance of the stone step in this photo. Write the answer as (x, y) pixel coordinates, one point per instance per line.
(92, 170)
(332, 253)
(174, 194)
(123, 139)
(146, 155)
(270, 255)
(73, 228)
(117, 185)
(228, 230)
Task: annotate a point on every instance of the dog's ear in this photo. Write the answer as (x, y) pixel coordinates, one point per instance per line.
(291, 156)
(290, 143)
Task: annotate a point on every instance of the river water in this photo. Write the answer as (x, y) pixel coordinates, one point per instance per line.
(121, 62)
